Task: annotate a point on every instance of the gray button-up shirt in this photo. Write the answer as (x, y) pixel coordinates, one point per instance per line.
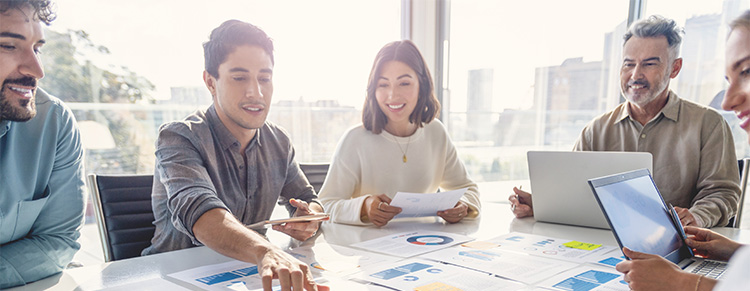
(199, 167)
(694, 161)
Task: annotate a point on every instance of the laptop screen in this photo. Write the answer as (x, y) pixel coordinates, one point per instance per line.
(638, 215)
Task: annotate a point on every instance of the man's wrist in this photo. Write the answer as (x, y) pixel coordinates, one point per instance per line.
(698, 219)
(260, 250)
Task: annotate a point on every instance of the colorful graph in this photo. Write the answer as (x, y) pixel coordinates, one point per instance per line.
(400, 271)
(586, 281)
(429, 240)
(228, 276)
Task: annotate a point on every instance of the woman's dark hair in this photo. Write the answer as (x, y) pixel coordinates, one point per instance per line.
(427, 107)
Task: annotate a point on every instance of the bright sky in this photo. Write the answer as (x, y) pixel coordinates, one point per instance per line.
(324, 49)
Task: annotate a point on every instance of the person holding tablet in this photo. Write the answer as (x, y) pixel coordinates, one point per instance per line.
(226, 166)
(652, 272)
(400, 146)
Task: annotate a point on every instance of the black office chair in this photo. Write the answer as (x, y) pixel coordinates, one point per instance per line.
(122, 205)
(316, 174)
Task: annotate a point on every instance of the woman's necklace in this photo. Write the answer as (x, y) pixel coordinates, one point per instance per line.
(399, 146)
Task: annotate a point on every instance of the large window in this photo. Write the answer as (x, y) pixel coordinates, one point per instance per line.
(517, 76)
(126, 67)
(702, 76)
(528, 76)
(531, 75)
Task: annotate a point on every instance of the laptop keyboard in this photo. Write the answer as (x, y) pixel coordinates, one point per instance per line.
(710, 269)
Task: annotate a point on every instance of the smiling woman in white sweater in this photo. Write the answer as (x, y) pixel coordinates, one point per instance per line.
(399, 147)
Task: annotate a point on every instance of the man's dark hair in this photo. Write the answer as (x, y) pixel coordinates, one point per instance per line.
(43, 9)
(228, 36)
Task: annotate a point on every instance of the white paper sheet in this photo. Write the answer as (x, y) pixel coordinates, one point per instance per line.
(585, 278)
(409, 244)
(237, 275)
(552, 248)
(339, 260)
(155, 284)
(520, 267)
(422, 275)
(233, 275)
(425, 204)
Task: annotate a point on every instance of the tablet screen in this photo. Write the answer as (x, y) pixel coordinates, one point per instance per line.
(639, 217)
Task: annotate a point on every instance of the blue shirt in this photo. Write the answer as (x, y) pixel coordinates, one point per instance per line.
(41, 193)
(199, 167)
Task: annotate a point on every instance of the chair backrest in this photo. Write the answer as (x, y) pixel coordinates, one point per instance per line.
(316, 174)
(744, 173)
(122, 205)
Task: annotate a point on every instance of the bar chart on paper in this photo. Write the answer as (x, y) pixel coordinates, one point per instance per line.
(415, 274)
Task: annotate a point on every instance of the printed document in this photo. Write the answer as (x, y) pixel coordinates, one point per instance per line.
(414, 274)
(412, 243)
(232, 275)
(425, 204)
(520, 267)
(585, 278)
(555, 248)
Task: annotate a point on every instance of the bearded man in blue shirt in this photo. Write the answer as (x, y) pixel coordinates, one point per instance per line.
(41, 173)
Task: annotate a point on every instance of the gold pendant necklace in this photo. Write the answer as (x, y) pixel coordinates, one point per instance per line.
(402, 150)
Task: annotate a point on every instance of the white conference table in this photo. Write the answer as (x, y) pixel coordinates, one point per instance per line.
(150, 272)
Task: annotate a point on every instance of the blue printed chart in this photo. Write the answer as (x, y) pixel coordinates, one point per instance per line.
(242, 276)
(233, 275)
(519, 267)
(414, 274)
(611, 261)
(409, 244)
(586, 278)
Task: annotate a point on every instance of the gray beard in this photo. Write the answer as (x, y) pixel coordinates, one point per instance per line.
(24, 110)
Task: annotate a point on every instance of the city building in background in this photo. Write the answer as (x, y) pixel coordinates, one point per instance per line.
(512, 83)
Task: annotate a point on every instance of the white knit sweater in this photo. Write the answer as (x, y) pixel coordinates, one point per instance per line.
(370, 164)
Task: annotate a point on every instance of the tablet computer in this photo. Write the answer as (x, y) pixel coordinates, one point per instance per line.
(307, 218)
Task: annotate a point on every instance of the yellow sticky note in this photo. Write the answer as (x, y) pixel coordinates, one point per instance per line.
(480, 245)
(437, 286)
(581, 245)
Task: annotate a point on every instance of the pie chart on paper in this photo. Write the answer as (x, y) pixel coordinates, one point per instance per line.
(429, 240)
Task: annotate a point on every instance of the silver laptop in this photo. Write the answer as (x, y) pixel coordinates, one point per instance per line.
(643, 222)
(559, 185)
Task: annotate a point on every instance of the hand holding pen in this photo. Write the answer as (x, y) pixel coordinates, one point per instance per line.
(520, 203)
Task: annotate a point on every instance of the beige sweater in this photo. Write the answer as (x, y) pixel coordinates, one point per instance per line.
(370, 164)
(695, 165)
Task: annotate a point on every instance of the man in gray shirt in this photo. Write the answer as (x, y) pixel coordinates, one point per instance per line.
(224, 167)
(695, 166)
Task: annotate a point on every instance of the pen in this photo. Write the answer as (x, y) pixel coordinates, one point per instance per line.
(513, 207)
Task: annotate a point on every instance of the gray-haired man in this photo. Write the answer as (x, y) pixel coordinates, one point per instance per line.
(695, 166)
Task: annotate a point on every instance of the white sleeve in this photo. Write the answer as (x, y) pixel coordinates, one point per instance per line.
(736, 277)
(341, 181)
(456, 177)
